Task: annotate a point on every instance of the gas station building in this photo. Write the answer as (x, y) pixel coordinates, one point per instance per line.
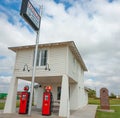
(58, 65)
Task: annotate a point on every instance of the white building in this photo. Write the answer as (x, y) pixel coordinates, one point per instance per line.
(58, 65)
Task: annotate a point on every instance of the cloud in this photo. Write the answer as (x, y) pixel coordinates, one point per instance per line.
(12, 33)
(16, 33)
(5, 83)
(92, 24)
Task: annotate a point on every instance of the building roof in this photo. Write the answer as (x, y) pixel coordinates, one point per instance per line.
(71, 45)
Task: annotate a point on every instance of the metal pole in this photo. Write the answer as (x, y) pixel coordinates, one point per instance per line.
(34, 66)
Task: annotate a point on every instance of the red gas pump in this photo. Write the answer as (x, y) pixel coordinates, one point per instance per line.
(24, 101)
(47, 101)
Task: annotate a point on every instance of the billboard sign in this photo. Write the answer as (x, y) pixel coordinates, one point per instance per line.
(29, 13)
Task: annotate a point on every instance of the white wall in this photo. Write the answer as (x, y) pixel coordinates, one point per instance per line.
(77, 93)
(23, 57)
(73, 96)
(56, 61)
(38, 94)
(60, 60)
(74, 67)
(86, 98)
(78, 96)
(81, 97)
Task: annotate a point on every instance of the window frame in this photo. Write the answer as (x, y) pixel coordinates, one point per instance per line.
(39, 62)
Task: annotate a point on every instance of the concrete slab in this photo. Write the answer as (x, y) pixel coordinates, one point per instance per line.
(87, 112)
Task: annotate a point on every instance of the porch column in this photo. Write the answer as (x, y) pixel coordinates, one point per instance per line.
(64, 110)
(10, 105)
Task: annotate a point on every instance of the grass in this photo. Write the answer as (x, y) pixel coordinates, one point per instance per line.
(116, 114)
(94, 101)
(17, 103)
(97, 101)
(101, 114)
(114, 101)
(2, 105)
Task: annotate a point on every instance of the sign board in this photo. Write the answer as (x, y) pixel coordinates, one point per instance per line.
(29, 13)
(104, 99)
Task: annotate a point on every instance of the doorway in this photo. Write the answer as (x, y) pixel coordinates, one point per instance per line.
(58, 93)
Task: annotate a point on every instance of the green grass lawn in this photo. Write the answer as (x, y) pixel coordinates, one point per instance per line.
(94, 101)
(101, 114)
(114, 101)
(116, 114)
(2, 105)
(97, 101)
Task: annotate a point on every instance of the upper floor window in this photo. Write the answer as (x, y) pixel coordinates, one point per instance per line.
(41, 58)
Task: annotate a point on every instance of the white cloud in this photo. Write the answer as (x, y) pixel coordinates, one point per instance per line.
(93, 25)
(5, 79)
(12, 34)
(5, 82)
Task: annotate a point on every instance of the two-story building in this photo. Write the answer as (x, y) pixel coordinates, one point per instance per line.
(59, 65)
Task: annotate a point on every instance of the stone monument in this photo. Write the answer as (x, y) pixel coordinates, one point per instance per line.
(104, 99)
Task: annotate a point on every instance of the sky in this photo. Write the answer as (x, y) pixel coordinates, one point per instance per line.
(94, 26)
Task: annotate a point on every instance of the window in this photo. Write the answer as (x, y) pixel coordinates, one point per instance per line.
(41, 58)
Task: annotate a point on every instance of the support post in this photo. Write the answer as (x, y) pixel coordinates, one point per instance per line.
(64, 110)
(10, 104)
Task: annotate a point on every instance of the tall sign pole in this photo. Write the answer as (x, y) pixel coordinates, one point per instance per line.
(34, 66)
(29, 13)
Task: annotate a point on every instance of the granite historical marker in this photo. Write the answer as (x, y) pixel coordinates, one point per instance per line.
(104, 99)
